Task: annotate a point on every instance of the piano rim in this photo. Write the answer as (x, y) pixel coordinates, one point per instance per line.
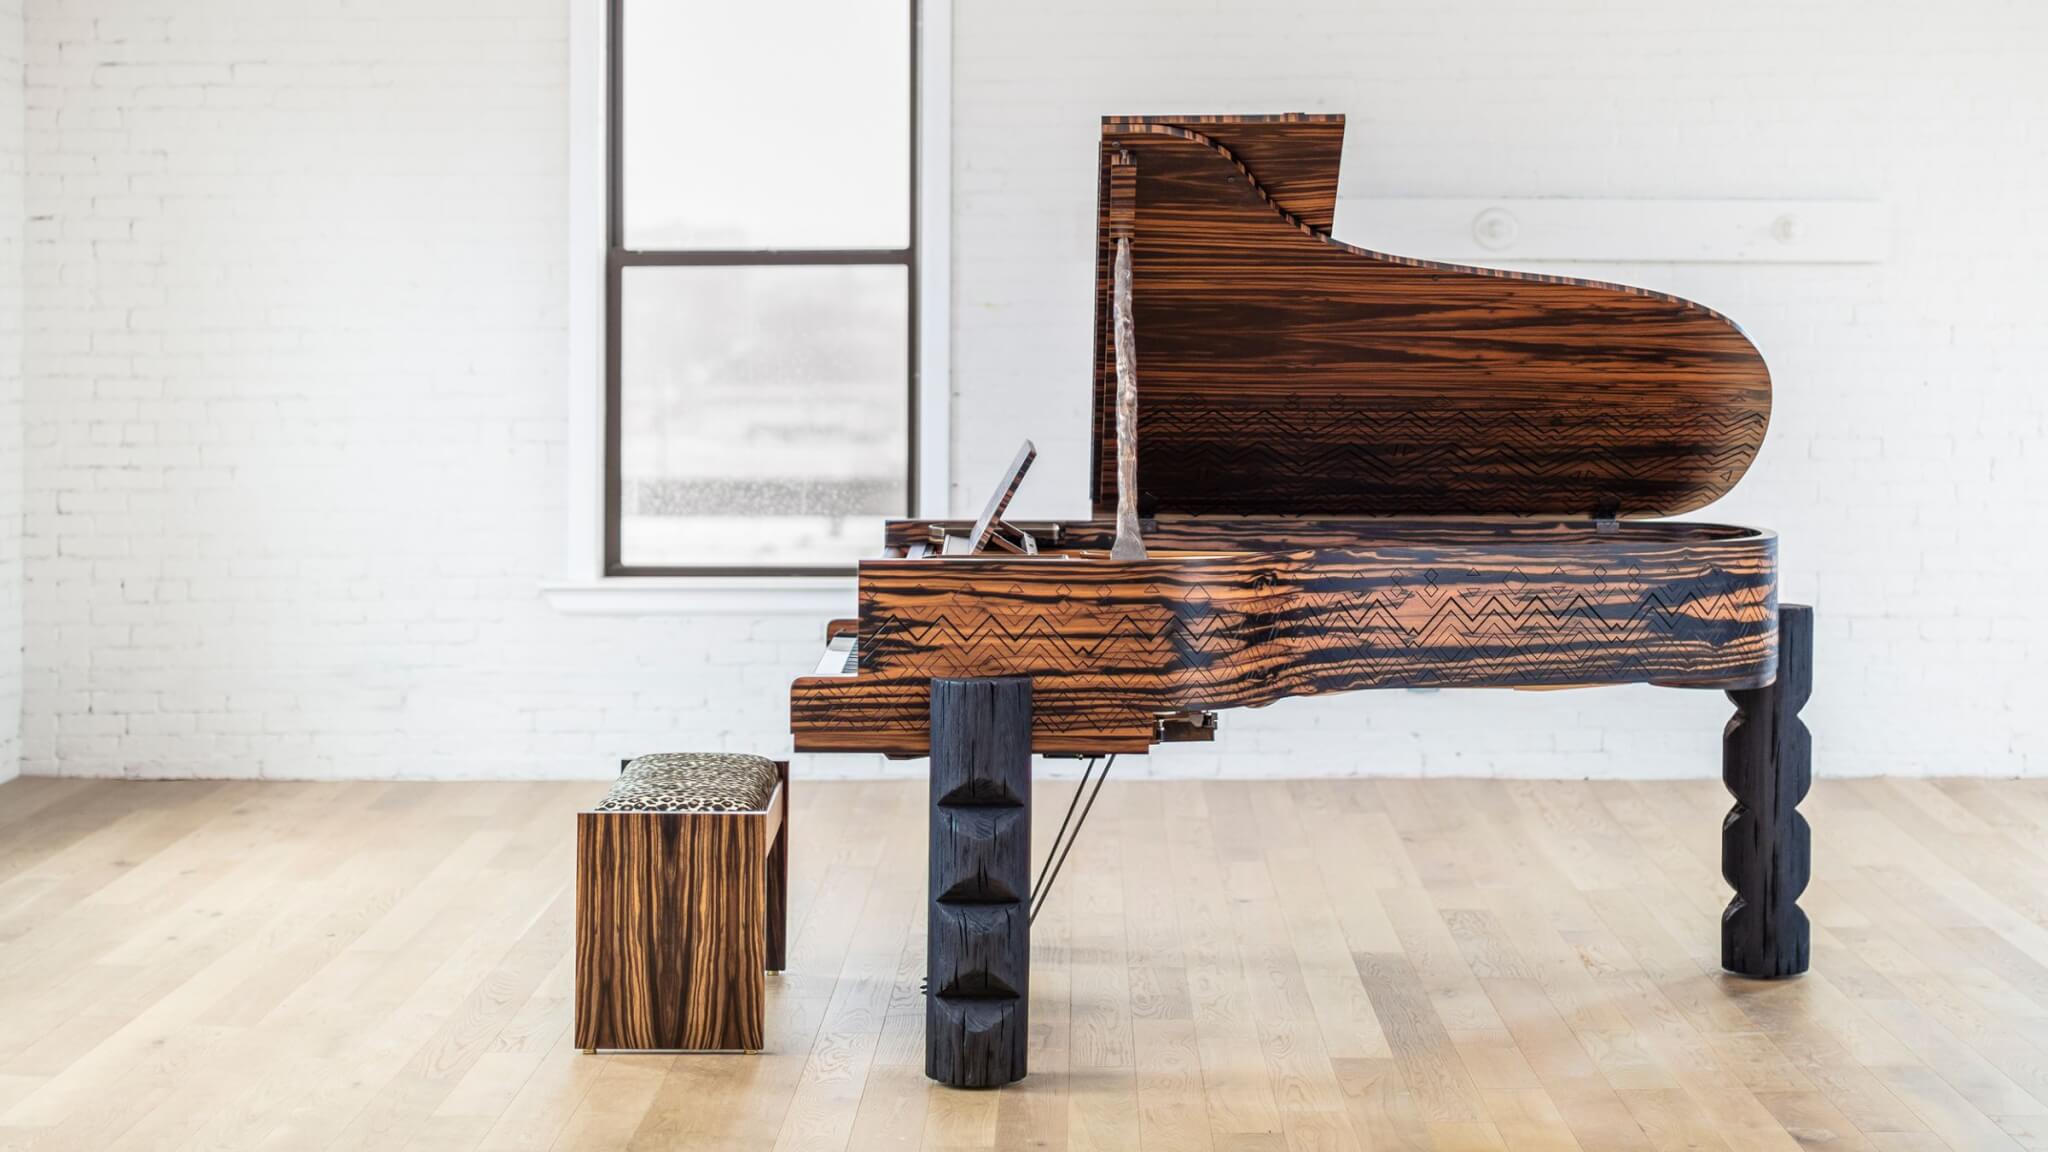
(1645, 562)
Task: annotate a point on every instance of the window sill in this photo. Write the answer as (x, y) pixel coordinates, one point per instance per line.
(703, 596)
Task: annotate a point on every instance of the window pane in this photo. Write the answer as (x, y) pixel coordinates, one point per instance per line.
(764, 414)
(767, 124)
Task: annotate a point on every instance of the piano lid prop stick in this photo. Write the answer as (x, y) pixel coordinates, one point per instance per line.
(1128, 545)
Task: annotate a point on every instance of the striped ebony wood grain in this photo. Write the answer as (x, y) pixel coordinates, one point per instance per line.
(672, 929)
(1296, 154)
(1290, 533)
(1201, 625)
(1286, 372)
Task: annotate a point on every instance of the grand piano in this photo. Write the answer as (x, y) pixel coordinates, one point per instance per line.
(1336, 469)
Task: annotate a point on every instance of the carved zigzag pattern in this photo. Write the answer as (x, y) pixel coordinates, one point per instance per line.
(1418, 628)
(1425, 627)
(1679, 455)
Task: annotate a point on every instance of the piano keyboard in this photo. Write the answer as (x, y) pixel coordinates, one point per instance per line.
(841, 658)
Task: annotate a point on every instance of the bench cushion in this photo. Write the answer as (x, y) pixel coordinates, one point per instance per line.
(693, 782)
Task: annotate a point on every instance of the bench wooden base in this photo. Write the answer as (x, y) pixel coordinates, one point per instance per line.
(678, 914)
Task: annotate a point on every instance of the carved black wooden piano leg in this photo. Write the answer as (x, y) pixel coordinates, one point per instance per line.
(1766, 847)
(978, 937)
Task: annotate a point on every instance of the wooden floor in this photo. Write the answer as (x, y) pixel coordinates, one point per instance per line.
(1313, 965)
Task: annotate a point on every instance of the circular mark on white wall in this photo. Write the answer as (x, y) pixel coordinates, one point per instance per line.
(1495, 229)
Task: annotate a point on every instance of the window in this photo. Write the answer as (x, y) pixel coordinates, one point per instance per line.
(761, 283)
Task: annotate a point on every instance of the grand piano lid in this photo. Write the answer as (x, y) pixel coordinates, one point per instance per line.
(1283, 372)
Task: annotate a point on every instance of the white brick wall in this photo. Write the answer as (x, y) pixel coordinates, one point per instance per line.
(12, 221)
(297, 411)
(295, 418)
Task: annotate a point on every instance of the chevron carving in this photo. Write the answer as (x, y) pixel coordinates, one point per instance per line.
(1371, 460)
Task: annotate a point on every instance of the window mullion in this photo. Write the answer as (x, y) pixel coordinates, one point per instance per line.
(821, 484)
(721, 257)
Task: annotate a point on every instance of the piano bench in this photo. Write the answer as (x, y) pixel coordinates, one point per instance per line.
(682, 884)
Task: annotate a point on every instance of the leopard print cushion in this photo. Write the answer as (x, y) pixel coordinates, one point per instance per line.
(693, 782)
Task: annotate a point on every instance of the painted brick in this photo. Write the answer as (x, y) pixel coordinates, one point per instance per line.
(282, 423)
(13, 313)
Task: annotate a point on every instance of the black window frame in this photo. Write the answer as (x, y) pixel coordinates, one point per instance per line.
(618, 258)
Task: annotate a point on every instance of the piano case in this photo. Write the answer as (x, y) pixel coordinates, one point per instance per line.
(1355, 470)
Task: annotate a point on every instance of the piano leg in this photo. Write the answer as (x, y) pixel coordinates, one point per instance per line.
(978, 931)
(1766, 847)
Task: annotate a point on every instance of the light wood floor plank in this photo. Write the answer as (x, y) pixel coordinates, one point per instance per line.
(1223, 966)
